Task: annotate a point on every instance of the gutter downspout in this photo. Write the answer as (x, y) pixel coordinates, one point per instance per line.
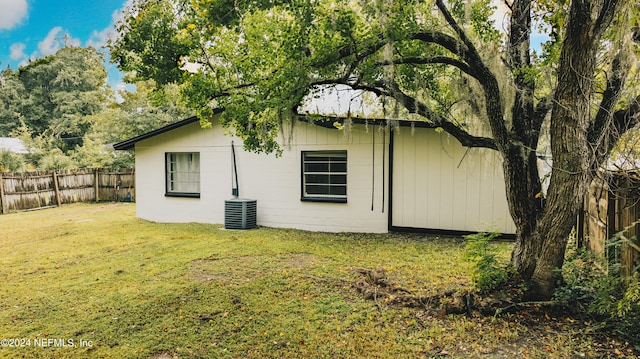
(234, 173)
(390, 188)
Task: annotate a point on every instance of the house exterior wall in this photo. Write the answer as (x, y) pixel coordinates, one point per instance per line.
(439, 184)
(274, 182)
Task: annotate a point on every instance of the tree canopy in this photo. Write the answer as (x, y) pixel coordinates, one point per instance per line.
(441, 61)
(55, 94)
(62, 107)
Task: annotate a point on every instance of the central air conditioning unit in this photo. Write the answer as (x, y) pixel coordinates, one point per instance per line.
(240, 213)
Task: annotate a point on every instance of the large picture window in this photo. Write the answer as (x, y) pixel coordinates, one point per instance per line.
(324, 176)
(183, 174)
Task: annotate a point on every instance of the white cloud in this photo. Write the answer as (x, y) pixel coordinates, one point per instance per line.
(119, 14)
(12, 14)
(99, 39)
(55, 40)
(17, 51)
(50, 44)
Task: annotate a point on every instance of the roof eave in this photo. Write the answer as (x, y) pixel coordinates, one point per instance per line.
(131, 143)
(323, 121)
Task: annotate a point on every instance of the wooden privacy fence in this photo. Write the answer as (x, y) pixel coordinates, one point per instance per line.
(611, 207)
(43, 189)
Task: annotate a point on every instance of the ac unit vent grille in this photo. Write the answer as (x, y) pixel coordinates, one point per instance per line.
(240, 213)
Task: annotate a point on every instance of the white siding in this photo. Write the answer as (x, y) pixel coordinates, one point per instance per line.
(273, 182)
(439, 184)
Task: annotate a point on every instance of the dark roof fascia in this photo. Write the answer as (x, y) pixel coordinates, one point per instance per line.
(328, 121)
(130, 143)
(323, 121)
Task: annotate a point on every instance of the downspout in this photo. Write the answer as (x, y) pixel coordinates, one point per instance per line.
(373, 166)
(234, 173)
(390, 188)
(384, 152)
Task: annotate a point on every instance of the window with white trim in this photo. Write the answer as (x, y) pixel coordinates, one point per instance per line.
(324, 176)
(182, 174)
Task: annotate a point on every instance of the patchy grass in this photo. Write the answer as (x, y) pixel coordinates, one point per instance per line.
(105, 284)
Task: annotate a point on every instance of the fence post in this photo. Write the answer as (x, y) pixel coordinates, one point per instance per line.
(3, 202)
(56, 188)
(97, 184)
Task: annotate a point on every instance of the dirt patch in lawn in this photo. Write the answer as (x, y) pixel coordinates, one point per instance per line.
(245, 269)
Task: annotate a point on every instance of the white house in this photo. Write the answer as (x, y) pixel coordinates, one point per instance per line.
(13, 145)
(371, 178)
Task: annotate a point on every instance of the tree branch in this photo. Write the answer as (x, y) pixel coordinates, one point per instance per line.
(608, 125)
(373, 89)
(608, 11)
(541, 111)
(448, 42)
(519, 60)
(352, 50)
(417, 107)
(454, 24)
(391, 89)
(227, 92)
(430, 60)
(621, 121)
(485, 77)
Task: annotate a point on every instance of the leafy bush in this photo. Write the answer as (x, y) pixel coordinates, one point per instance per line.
(588, 282)
(488, 272)
(11, 162)
(595, 286)
(55, 159)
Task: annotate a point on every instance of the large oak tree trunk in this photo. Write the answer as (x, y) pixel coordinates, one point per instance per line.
(540, 251)
(525, 203)
(520, 162)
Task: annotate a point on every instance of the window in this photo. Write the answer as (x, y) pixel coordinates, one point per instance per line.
(183, 174)
(324, 176)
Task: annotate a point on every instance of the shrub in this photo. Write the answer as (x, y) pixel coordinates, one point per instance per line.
(595, 286)
(11, 162)
(488, 273)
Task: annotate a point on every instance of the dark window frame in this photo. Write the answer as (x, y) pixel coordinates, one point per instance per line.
(324, 164)
(170, 174)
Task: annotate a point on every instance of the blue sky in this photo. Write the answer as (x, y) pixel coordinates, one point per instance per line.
(31, 29)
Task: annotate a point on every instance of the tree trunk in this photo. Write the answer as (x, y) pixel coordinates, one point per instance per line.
(554, 228)
(525, 205)
(573, 157)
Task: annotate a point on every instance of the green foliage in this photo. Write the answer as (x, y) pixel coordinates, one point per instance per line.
(587, 280)
(55, 94)
(138, 112)
(260, 59)
(629, 305)
(163, 49)
(596, 286)
(488, 271)
(55, 159)
(12, 92)
(11, 162)
(93, 154)
(478, 15)
(88, 120)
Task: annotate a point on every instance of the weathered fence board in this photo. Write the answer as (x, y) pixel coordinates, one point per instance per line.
(611, 207)
(33, 190)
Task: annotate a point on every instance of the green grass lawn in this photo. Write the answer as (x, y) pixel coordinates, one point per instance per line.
(108, 285)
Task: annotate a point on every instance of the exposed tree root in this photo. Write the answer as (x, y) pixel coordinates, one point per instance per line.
(374, 284)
